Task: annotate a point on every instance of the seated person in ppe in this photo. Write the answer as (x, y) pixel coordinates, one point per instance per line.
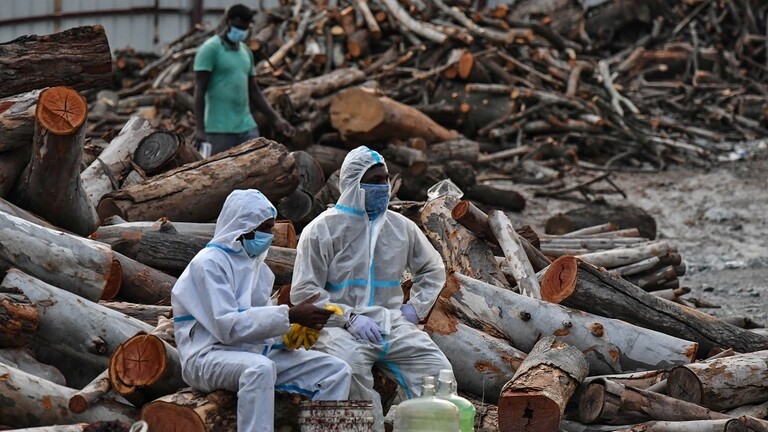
(354, 255)
(228, 333)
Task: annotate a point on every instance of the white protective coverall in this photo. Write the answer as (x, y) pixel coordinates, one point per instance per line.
(357, 264)
(228, 333)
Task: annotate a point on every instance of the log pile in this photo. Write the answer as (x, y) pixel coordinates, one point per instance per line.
(584, 327)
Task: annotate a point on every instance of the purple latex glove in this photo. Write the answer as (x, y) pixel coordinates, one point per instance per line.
(409, 312)
(362, 327)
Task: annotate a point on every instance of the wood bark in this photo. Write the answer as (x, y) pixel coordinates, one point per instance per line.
(169, 252)
(86, 397)
(141, 283)
(627, 255)
(609, 402)
(610, 346)
(106, 173)
(363, 117)
(723, 383)
(17, 120)
(29, 401)
(641, 380)
(535, 398)
(19, 319)
(75, 335)
(461, 250)
(24, 359)
(329, 158)
(142, 312)
(50, 185)
(481, 363)
(582, 286)
(145, 364)
(58, 428)
(413, 160)
(621, 216)
(457, 149)
(12, 165)
(515, 255)
(79, 57)
(261, 164)
(82, 266)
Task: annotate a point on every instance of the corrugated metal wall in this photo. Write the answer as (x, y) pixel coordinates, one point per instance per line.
(145, 25)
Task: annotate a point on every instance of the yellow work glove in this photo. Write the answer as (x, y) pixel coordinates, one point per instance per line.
(299, 335)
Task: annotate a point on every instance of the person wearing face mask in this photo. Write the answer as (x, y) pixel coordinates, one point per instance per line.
(225, 85)
(354, 255)
(228, 332)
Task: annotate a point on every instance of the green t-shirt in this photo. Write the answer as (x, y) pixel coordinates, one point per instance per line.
(227, 109)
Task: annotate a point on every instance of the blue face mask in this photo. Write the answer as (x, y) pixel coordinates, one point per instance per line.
(258, 244)
(376, 199)
(236, 35)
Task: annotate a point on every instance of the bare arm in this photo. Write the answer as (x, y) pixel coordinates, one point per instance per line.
(202, 79)
(261, 104)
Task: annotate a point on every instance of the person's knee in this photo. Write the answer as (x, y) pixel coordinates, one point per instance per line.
(259, 372)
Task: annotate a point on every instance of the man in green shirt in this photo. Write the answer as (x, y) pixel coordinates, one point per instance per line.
(225, 85)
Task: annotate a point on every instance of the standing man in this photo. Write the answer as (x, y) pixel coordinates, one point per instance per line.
(225, 85)
(228, 333)
(354, 255)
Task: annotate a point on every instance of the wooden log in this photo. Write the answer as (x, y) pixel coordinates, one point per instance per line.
(108, 170)
(261, 164)
(141, 283)
(755, 410)
(17, 120)
(58, 428)
(413, 25)
(29, 401)
(51, 185)
(169, 252)
(147, 364)
(481, 363)
(161, 151)
(722, 425)
(501, 198)
(457, 149)
(73, 331)
(19, 319)
(12, 164)
(86, 397)
(576, 284)
(723, 383)
(363, 117)
(330, 193)
(13, 210)
(461, 250)
(299, 95)
(300, 207)
(413, 160)
(329, 158)
(516, 258)
(142, 312)
(655, 279)
(620, 216)
(535, 398)
(642, 380)
(311, 176)
(610, 346)
(79, 57)
(626, 255)
(609, 402)
(82, 266)
(23, 358)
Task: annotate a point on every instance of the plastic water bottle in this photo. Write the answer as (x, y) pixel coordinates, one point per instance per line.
(427, 413)
(446, 389)
(205, 149)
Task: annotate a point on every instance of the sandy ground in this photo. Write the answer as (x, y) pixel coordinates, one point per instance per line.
(717, 218)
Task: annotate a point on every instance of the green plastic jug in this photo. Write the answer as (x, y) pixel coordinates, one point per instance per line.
(427, 413)
(446, 389)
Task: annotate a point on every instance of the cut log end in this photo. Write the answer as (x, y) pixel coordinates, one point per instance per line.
(107, 208)
(367, 109)
(156, 150)
(61, 110)
(78, 404)
(529, 412)
(164, 416)
(560, 279)
(460, 210)
(683, 384)
(114, 281)
(591, 403)
(142, 361)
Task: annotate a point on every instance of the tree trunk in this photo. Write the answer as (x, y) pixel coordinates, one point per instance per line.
(106, 173)
(169, 252)
(142, 312)
(17, 120)
(58, 428)
(621, 216)
(12, 164)
(311, 176)
(19, 319)
(29, 401)
(609, 402)
(81, 266)
(413, 160)
(329, 158)
(86, 397)
(300, 207)
(641, 380)
(610, 346)
(330, 193)
(141, 283)
(261, 164)
(51, 185)
(627, 255)
(535, 398)
(481, 363)
(79, 57)
(515, 255)
(461, 250)
(78, 336)
(502, 198)
(281, 260)
(579, 285)
(24, 360)
(161, 151)
(145, 364)
(299, 94)
(723, 383)
(458, 149)
(364, 117)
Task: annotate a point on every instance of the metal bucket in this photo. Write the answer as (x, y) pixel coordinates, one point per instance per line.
(336, 416)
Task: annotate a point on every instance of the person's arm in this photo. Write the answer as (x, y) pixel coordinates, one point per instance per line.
(261, 104)
(428, 272)
(202, 79)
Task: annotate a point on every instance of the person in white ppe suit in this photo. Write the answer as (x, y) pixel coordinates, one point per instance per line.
(354, 255)
(228, 333)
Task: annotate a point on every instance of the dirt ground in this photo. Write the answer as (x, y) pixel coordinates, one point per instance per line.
(716, 217)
